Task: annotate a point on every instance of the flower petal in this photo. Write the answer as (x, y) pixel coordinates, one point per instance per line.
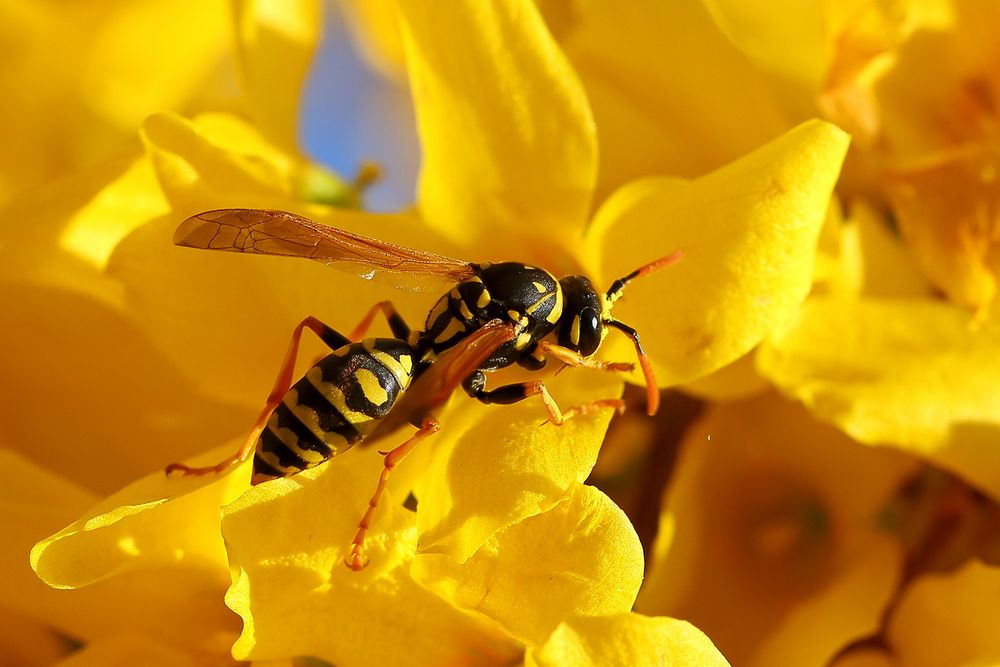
(759, 535)
(108, 406)
(961, 606)
(736, 381)
(288, 539)
(375, 27)
(875, 367)
(79, 79)
(945, 209)
(140, 39)
(506, 130)
(276, 40)
(865, 657)
(626, 639)
(155, 522)
(580, 558)
(497, 465)
(887, 269)
(749, 234)
(25, 642)
(180, 606)
(657, 119)
(127, 649)
(788, 39)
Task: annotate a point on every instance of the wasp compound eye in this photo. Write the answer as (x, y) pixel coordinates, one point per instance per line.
(590, 331)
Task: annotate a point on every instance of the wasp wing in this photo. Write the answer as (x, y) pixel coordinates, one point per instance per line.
(432, 389)
(268, 232)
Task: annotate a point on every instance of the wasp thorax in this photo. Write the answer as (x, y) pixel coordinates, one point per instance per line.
(580, 328)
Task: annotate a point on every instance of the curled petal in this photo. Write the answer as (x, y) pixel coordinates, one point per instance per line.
(749, 234)
(580, 558)
(497, 465)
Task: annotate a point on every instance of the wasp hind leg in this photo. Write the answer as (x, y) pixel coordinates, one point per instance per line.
(475, 386)
(355, 559)
(282, 384)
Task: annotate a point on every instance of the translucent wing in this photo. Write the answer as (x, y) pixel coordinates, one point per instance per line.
(280, 233)
(432, 389)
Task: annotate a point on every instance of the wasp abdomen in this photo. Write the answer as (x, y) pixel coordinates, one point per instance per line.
(333, 407)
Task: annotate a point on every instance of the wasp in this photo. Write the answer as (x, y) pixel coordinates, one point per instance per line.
(496, 315)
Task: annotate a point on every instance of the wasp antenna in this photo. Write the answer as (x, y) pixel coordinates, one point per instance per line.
(615, 291)
(652, 389)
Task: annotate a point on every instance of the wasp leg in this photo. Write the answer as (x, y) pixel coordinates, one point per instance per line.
(400, 329)
(652, 388)
(475, 386)
(282, 383)
(355, 559)
(577, 360)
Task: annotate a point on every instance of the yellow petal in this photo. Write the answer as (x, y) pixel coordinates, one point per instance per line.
(25, 642)
(748, 232)
(736, 381)
(759, 535)
(375, 28)
(654, 119)
(817, 629)
(124, 650)
(875, 367)
(508, 139)
(142, 38)
(155, 522)
(287, 542)
(79, 79)
(276, 42)
(75, 223)
(179, 606)
(216, 152)
(107, 407)
(580, 558)
(887, 269)
(626, 639)
(960, 606)
(497, 465)
(865, 657)
(788, 39)
(946, 211)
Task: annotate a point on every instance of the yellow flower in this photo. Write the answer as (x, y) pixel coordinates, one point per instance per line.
(770, 538)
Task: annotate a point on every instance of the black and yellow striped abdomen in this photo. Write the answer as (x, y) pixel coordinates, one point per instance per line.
(333, 407)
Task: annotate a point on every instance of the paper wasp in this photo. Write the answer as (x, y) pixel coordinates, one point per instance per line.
(495, 316)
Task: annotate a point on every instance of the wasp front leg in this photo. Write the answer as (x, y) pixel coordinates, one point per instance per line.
(577, 360)
(475, 386)
(282, 384)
